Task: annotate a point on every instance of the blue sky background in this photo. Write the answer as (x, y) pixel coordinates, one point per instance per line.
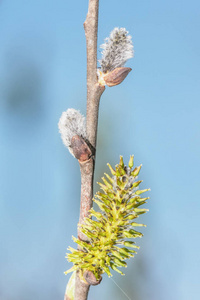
(153, 114)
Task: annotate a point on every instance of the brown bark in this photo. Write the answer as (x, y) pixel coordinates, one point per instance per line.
(94, 92)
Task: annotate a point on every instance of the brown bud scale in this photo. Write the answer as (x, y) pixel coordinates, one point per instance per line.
(90, 278)
(116, 76)
(80, 148)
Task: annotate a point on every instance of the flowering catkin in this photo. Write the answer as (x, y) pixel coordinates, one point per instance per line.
(108, 234)
(117, 49)
(71, 123)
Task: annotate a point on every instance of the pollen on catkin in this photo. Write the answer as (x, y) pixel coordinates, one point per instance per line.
(117, 49)
(71, 123)
(108, 244)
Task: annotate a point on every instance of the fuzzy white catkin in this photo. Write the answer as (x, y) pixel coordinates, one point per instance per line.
(71, 123)
(117, 49)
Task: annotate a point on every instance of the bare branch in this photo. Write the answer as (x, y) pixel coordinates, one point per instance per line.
(94, 92)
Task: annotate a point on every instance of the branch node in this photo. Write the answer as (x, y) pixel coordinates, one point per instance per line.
(91, 279)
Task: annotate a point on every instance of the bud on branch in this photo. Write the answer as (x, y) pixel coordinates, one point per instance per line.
(117, 49)
(71, 124)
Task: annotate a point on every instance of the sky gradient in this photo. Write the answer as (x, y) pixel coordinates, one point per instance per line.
(153, 114)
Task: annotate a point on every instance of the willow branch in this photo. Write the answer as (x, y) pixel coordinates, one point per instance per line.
(94, 92)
